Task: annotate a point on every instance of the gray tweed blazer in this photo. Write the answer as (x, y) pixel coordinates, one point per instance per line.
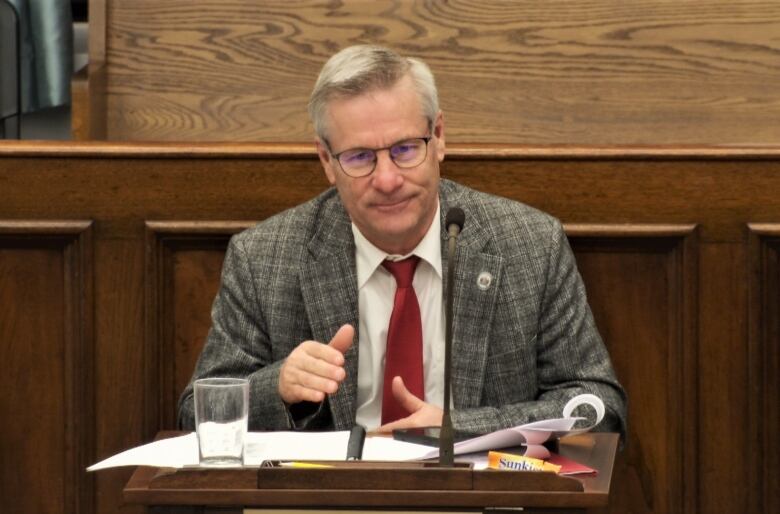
(522, 347)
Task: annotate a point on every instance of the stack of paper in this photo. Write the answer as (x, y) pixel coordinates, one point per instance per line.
(182, 451)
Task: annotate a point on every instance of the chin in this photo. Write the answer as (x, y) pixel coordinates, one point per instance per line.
(401, 240)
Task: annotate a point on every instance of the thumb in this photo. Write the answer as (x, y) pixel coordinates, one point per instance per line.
(343, 338)
(409, 402)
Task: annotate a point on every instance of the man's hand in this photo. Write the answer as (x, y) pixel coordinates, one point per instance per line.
(313, 369)
(421, 414)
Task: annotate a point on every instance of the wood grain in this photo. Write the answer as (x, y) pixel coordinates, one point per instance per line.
(46, 350)
(603, 72)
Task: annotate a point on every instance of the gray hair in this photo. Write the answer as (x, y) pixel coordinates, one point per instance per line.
(360, 69)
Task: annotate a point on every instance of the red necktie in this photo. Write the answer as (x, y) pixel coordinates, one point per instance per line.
(403, 352)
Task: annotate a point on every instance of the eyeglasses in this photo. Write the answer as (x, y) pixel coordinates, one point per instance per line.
(361, 162)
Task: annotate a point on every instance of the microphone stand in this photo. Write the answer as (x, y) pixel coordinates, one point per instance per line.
(447, 436)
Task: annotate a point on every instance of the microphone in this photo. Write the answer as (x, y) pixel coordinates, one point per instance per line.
(454, 223)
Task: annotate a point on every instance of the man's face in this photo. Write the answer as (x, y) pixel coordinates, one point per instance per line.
(393, 207)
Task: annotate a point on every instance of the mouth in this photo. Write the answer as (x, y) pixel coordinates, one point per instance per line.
(392, 206)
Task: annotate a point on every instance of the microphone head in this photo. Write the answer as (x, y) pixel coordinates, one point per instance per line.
(455, 216)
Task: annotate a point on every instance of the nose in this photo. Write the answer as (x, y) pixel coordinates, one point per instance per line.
(387, 177)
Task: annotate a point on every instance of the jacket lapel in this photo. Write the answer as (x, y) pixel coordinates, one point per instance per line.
(477, 274)
(329, 287)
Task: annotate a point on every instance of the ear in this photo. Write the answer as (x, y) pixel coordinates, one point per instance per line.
(438, 131)
(327, 161)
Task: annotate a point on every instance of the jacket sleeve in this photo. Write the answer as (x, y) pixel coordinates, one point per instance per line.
(238, 345)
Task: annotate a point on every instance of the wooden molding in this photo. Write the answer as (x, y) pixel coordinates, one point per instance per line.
(764, 359)
(485, 151)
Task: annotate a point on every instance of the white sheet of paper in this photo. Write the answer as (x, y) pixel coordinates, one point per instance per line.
(175, 452)
(295, 446)
(182, 451)
(389, 449)
(530, 434)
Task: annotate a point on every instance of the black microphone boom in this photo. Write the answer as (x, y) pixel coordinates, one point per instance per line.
(454, 223)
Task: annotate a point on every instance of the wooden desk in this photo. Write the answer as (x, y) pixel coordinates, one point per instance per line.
(375, 486)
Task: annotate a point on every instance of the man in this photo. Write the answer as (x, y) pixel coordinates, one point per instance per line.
(297, 286)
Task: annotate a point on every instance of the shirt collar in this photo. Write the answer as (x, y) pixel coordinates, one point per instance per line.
(368, 257)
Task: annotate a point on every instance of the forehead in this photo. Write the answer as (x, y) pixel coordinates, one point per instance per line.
(377, 118)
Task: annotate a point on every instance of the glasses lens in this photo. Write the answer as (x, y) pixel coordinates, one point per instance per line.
(359, 161)
(408, 154)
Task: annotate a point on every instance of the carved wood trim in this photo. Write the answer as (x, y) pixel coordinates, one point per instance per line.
(163, 238)
(632, 230)
(459, 151)
(764, 358)
(680, 243)
(74, 239)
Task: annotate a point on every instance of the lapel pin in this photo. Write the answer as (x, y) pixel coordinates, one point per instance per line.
(484, 280)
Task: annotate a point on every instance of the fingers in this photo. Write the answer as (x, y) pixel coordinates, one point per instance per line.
(387, 428)
(314, 370)
(310, 372)
(296, 393)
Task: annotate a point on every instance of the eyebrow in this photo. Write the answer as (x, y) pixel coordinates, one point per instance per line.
(382, 147)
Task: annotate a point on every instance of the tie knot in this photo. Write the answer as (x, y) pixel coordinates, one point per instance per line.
(403, 270)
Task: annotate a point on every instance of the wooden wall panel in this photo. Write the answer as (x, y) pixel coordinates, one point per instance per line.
(689, 314)
(183, 273)
(46, 351)
(641, 286)
(603, 72)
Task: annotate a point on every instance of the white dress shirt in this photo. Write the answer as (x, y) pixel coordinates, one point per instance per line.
(376, 292)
